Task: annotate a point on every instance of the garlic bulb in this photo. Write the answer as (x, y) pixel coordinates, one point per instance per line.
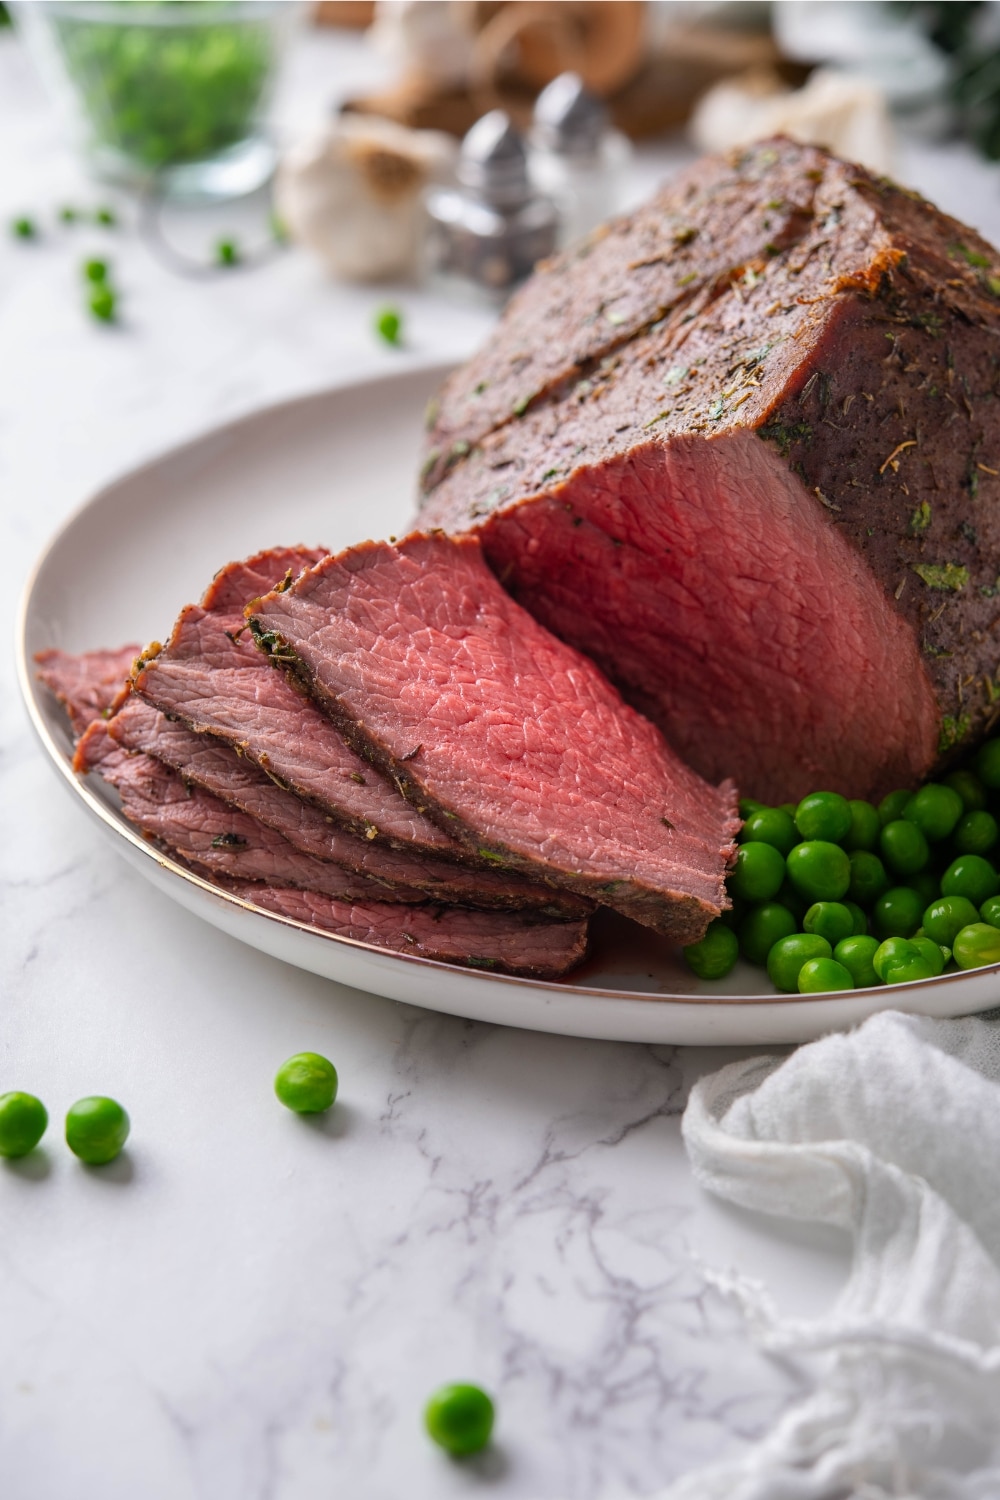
(354, 195)
(846, 114)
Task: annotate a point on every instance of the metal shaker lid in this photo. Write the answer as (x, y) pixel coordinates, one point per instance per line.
(493, 162)
(568, 118)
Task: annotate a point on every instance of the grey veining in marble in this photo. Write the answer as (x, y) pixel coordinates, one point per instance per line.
(249, 1306)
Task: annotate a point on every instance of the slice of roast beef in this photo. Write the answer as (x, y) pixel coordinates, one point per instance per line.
(505, 942)
(514, 741)
(744, 450)
(227, 847)
(207, 762)
(211, 835)
(211, 678)
(87, 683)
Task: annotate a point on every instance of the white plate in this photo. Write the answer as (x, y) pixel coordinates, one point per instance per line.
(333, 469)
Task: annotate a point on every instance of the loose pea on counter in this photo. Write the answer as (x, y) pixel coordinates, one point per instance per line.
(830, 893)
(23, 1120)
(96, 1129)
(459, 1418)
(307, 1083)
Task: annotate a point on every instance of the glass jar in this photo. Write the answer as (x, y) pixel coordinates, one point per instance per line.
(171, 93)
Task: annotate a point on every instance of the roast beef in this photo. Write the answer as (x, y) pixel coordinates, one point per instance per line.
(210, 834)
(85, 684)
(253, 862)
(512, 740)
(211, 678)
(743, 449)
(506, 942)
(206, 762)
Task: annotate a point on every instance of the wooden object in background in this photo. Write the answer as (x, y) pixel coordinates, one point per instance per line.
(355, 15)
(690, 60)
(516, 48)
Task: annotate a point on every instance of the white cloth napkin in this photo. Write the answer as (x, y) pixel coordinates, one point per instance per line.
(891, 1132)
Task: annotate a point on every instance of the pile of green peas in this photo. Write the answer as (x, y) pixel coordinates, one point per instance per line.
(831, 894)
(160, 91)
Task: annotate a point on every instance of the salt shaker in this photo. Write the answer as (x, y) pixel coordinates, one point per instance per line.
(487, 233)
(576, 157)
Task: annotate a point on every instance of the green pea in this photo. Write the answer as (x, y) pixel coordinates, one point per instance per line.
(969, 787)
(758, 872)
(106, 217)
(307, 1082)
(389, 325)
(102, 302)
(903, 847)
(895, 950)
(976, 833)
(68, 214)
(824, 815)
(227, 253)
(970, 875)
(819, 870)
(868, 878)
(95, 271)
(865, 826)
(786, 958)
(762, 927)
(897, 913)
(96, 1129)
(944, 918)
(749, 805)
(987, 764)
(935, 809)
(891, 807)
(820, 974)
(858, 918)
(24, 229)
(990, 911)
(789, 808)
(831, 919)
(932, 953)
(23, 1119)
(459, 1418)
(769, 825)
(856, 954)
(977, 945)
(909, 971)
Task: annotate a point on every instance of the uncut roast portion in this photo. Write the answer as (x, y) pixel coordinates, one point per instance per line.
(742, 448)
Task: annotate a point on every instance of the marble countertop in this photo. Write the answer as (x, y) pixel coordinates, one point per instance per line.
(249, 1306)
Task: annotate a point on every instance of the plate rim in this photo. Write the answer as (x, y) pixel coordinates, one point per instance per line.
(830, 1000)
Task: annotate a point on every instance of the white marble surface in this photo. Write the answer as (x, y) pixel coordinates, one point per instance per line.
(248, 1306)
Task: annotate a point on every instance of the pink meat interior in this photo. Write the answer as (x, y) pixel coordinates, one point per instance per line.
(716, 592)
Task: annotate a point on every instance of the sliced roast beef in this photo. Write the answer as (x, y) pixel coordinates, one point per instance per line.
(85, 684)
(505, 942)
(209, 833)
(743, 449)
(238, 854)
(211, 678)
(514, 741)
(206, 762)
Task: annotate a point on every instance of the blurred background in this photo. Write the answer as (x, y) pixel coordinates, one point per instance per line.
(449, 144)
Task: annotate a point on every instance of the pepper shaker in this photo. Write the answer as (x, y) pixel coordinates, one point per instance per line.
(487, 233)
(576, 156)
